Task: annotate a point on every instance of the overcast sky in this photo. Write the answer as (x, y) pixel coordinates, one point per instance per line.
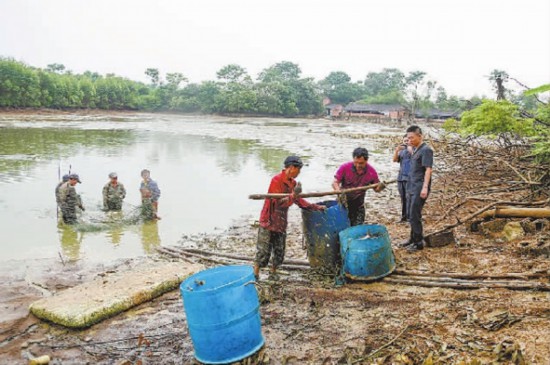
(458, 43)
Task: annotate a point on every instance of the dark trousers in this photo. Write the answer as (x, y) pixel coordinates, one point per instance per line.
(415, 204)
(356, 212)
(402, 188)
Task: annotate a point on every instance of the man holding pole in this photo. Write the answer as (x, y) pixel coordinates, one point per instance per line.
(355, 174)
(273, 218)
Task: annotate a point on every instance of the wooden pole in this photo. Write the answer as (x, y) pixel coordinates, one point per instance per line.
(325, 193)
(517, 213)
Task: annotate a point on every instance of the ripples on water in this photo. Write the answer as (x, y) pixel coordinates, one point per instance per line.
(205, 166)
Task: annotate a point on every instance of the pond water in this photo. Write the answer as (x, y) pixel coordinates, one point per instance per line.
(205, 167)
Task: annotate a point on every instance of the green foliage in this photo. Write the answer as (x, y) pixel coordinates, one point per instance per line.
(451, 125)
(338, 88)
(389, 81)
(492, 118)
(541, 145)
(537, 90)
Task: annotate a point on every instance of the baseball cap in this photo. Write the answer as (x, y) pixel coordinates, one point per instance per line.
(112, 175)
(75, 177)
(293, 161)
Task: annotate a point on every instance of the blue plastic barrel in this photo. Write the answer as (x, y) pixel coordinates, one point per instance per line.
(222, 309)
(366, 252)
(321, 234)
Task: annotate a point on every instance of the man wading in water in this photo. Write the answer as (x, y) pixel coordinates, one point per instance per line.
(150, 194)
(273, 219)
(69, 199)
(113, 194)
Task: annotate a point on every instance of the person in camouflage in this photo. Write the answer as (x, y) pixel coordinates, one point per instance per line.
(150, 194)
(69, 199)
(113, 194)
(58, 187)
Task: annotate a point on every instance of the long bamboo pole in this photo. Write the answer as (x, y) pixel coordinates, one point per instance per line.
(318, 194)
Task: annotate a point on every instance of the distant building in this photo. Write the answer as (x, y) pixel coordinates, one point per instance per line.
(334, 110)
(393, 111)
(436, 114)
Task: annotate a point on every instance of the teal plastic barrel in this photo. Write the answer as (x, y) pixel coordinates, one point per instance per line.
(366, 252)
(222, 309)
(321, 234)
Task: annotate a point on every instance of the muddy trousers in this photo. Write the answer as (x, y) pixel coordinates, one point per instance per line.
(415, 204)
(269, 241)
(356, 212)
(402, 188)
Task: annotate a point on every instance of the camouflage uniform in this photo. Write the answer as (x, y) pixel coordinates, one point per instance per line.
(113, 196)
(57, 195)
(69, 200)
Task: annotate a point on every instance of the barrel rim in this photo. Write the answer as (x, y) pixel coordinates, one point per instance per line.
(242, 279)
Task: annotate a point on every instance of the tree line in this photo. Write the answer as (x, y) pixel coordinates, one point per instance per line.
(278, 90)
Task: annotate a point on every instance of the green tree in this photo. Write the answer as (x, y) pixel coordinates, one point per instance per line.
(338, 88)
(389, 80)
(55, 68)
(154, 75)
(282, 71)
(233, 73)
(492, 118)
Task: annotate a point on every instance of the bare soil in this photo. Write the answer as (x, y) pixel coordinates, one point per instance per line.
(306, 319)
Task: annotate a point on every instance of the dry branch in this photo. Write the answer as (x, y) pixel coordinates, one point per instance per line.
(484, 209)
(517, 213)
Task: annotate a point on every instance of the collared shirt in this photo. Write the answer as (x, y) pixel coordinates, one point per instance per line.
(152, 187)
(348, 177)
(404, 158)
(275, 211)
(422, 158)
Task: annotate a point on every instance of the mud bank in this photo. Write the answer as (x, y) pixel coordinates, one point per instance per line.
(305, 319)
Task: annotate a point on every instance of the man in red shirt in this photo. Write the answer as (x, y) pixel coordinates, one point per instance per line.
(273, 219)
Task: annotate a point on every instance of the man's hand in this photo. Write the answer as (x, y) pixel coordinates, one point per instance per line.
(424, 193)
(381, 186)
(321, 208)
(298, 189)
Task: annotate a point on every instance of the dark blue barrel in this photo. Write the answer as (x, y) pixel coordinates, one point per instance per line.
(366, 252)
(222, 309)
(321, 234)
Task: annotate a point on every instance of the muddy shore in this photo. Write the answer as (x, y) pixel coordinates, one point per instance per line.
(305, 318)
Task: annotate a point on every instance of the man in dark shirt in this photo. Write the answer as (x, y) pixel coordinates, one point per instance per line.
(273, 218)
(402, 155)
(418, 185)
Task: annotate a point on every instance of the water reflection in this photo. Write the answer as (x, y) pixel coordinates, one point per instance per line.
(116, 228)
(21, 148)
(150, 238)
(205, 166)
(70, 241)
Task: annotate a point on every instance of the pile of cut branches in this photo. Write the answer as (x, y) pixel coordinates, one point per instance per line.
(478, 178)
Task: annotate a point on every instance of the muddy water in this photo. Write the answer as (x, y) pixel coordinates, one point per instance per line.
(205, 167)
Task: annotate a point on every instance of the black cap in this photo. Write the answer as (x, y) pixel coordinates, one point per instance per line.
(293, 161)
(74, 177)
